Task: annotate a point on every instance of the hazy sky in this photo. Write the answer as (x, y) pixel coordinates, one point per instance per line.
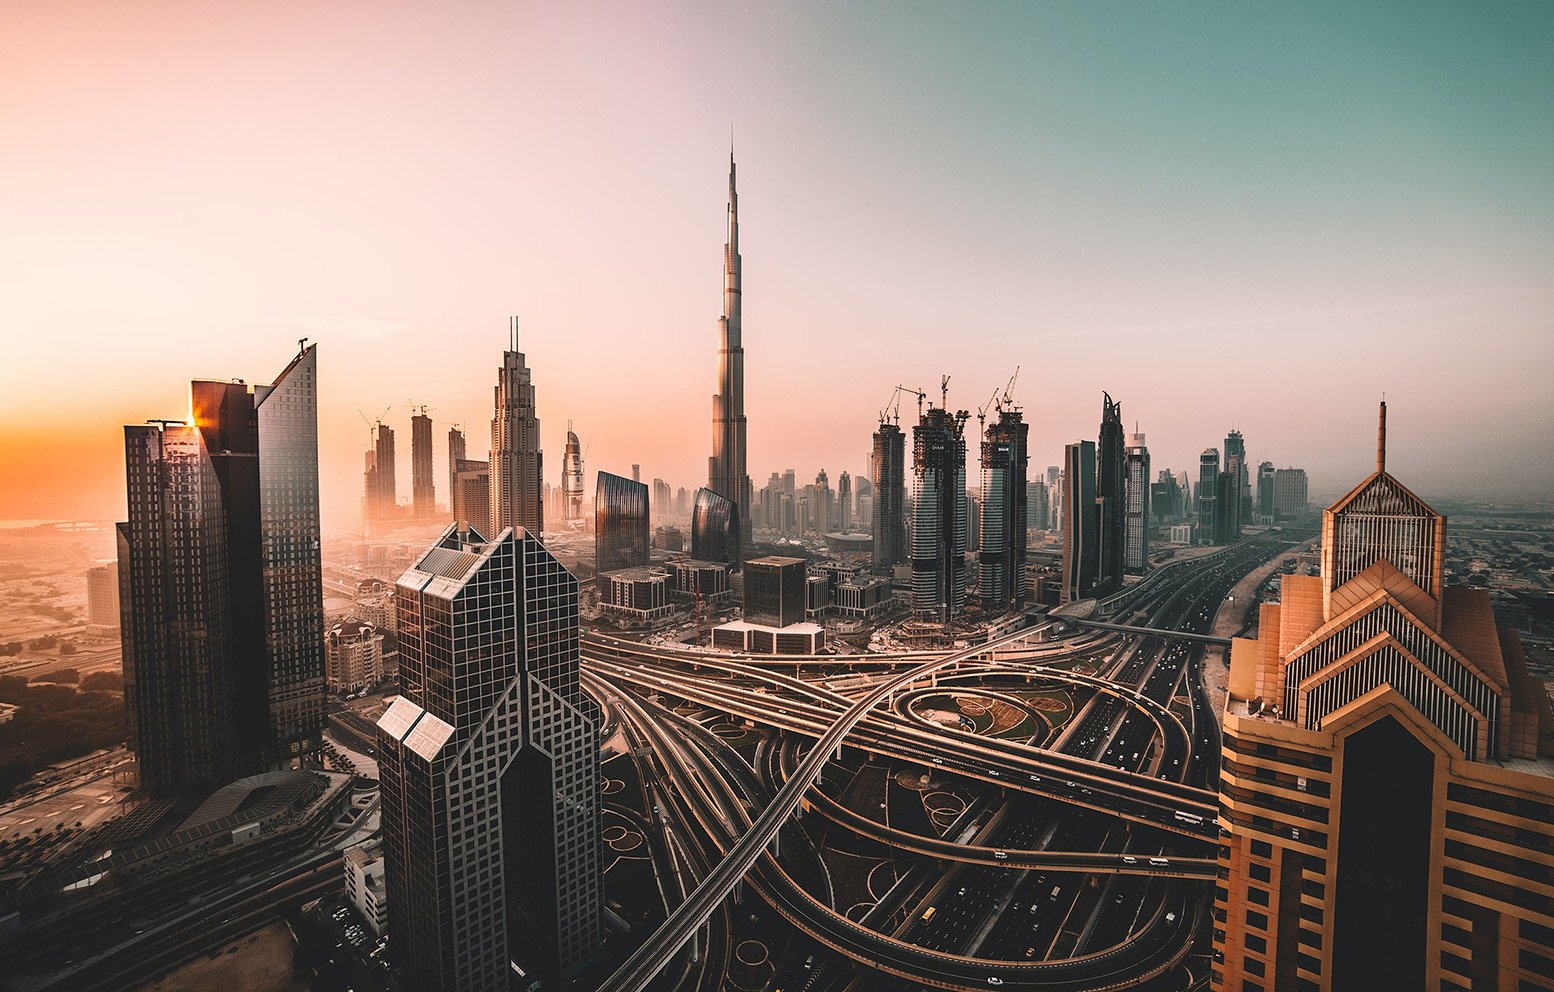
(1261, 215)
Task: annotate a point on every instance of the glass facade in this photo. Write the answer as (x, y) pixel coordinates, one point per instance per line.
(490, 776)
(516, 463)
(887, 470)
(774, 590)
(620, 523)
(1135, 558)
(1001, 578)
(1111, 497)
(1080, 520)
(939, 531)
(714, 528)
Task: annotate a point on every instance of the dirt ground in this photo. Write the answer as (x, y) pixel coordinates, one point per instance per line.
(260, 963)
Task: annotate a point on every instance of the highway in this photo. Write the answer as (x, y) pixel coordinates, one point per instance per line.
(1084, 891)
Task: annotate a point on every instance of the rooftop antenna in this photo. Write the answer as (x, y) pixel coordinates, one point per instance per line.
(302, 345)
(1381, 436)
(512, 333)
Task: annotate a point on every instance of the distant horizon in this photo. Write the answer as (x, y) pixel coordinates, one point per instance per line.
(1224, 216)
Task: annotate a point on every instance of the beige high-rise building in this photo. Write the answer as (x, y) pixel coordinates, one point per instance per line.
(353, 655)
(102, 595)
(1387, 783)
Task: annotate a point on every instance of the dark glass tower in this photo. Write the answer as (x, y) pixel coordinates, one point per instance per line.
(774, 590)
(222, 612)
(620, 523)
(489, 766)
(1001, 576)
(176, 613)
(1111, 498)
(887, 470)
(715, 528)
(1080, 521)
(726, 472)
(515, 446)
(1207, 494)
(939, 507)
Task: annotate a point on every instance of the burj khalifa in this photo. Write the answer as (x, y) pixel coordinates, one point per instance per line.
(726, 473)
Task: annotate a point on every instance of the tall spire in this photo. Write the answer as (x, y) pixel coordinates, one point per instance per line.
(1381, 438)
(726, 473)
(512, 333)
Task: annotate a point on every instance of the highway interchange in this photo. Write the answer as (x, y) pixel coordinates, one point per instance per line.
(1081, 858)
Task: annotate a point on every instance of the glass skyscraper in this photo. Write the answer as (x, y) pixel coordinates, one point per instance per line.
(939, 500)
(1080, 520)
(887, 470)
(1001, 573)
(222, 604)
(715, 528)
(489, 764)
(620, 523)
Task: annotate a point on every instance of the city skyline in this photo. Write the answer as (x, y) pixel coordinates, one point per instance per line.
(1397, 197)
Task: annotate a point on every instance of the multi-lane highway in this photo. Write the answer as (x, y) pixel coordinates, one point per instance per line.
(1082, 863)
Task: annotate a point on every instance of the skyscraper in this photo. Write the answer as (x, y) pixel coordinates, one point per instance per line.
(1111, 498)
(516, 461)
(1264, 498)
(887, 472)
(380, 498)
(1135, 556)
(222, 606)
(472, 493)
(1207, 491)
(1387, 783)
(1289, 493)
(423, 496)
(844, 502)
(456, 454)
(1238, 511)
(715, 528)
(726, 473)
(489, 764)
(1081, 523)
(102, 595)
(620, 523)
(572, 478)
(825, 503)
(1001, 572)
(939, 499)
(663, 500)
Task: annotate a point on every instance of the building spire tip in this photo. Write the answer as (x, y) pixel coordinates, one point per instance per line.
(1381, 435)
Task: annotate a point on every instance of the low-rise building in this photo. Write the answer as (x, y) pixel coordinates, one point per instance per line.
(364, 883)
(635, 593)
(755, 638)
(353, 655)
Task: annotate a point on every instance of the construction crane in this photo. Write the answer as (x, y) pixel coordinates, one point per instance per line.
(944, 392)
(895, 398)
(1006, 401)
(373, 423)
(420, 408)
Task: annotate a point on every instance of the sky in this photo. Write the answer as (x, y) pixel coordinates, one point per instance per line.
(1261, 216)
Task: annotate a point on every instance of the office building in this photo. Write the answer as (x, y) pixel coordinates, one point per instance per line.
(726, 473)
(638, 594)
(753, 638)
(489, 764)
(423, 494)
(1265, 493)
(353, 655)
(364, 884)
(1210, 525)
(1167, 501)
(774, 590)
(374, 604)
(715, 528)
(472, 492)
(516, 459)
(457, 452)
(671, 539)
(1290, 501)
(887, 473)
(939, 522)
(844, 502)
(663, 500)
(862, 596)
(824, 504)
(1081, 524)
(221, 586)
(1238, 510)
(102, 595)
(1111, 498)
(1387, 783)
(704, 581)
(572, 478)
(620, 523)
(380, 498)
(1005, 507)
(1136, 517)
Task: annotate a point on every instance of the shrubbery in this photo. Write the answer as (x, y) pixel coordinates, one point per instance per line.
(53, 723)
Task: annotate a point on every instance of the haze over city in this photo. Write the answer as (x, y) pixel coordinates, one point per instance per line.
(1260, 218)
